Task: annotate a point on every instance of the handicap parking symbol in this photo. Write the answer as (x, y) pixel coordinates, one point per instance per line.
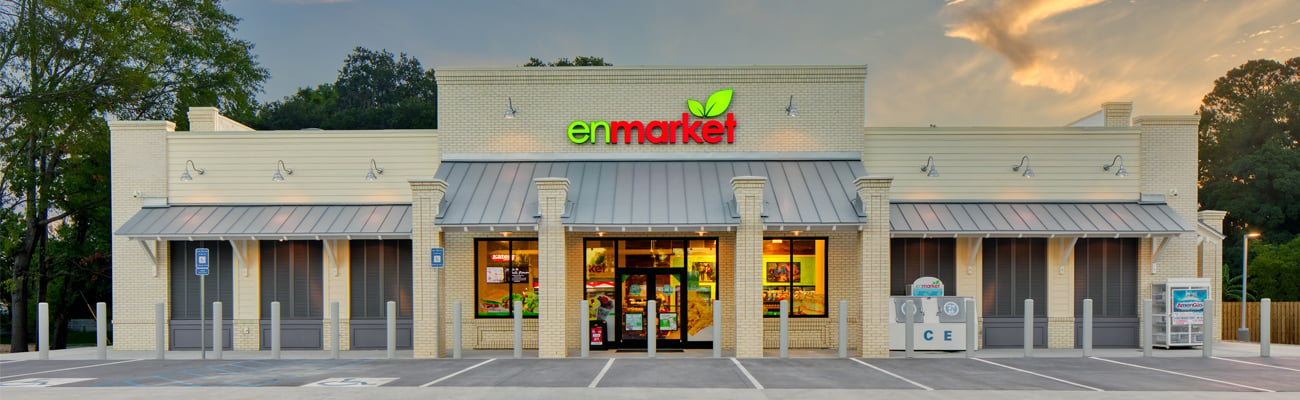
(351, 382)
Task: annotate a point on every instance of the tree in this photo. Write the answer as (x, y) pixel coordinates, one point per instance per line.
(1275, 271)
(1250, 152)
(579, 61)
(67, 66)
(374, 90)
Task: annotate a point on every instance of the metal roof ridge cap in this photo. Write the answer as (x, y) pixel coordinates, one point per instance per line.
(657, 156)
(968, 201)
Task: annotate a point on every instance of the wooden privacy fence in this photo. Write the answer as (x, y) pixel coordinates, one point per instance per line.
(1285, 320)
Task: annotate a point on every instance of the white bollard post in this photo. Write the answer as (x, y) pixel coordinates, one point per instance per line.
(43, 329)
(1087, 327)
(334, 330)
(159, 330)
(1029, 327)
(584, 330)
(217, 329)
(971, 335)
(909, 327)
(455, 330)
(391, 317)
(518, 311)
(785, 329)
(275, 330)
(652, 328)
(1149, 327)
(1265, 327)
(717, 329)
(101, 329)
(1210, 334)
(844, 329)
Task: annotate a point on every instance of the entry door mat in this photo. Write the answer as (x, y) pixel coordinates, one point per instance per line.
(644, 350)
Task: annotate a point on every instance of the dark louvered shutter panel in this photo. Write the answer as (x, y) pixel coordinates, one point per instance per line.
(1014, 270)
(1105, 270)
(912, 258)
(293, 273)
(185, 284)
(405, 273)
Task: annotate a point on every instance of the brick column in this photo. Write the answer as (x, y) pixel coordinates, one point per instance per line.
(139, 171)
(1060, 295)
(553, 314)
(874, 244)
(1212, 263)
(338, 287)
(748, 276)
(426, 285)
(1168, 165)
(248, 297)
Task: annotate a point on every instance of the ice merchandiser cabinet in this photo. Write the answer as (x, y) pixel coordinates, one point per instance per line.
(1178, 311)
(939, 323)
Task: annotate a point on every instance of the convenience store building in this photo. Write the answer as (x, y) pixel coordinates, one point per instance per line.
(619, 185)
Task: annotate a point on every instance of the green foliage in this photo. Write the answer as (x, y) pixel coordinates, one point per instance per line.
(374, 90)
(1232, 285)
(1250, 152)
(67, 66)
(579, 61)
(1275, 271)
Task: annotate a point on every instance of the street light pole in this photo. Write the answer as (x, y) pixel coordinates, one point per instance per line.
(1243, 333)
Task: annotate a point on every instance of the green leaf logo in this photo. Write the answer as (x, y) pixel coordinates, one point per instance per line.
(715, 106)
(695, 107)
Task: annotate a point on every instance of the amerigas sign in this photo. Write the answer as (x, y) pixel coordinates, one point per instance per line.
(711, 131)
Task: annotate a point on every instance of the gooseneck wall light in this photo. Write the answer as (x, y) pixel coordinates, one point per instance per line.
(929, 169)
(185, 176)
(1118, 160)
(510, 108)
(281, 167)
(791, 110)
(1024, 163)
(374, 169)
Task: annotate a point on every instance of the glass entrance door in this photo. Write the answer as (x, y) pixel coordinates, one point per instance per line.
(635, 290)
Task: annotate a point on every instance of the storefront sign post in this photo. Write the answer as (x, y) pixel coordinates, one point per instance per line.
(1147, 326)
(785, 329)
(652, 335)
(455, 330)
(1265, 330)
(1029, 327)
(201, 269)
(844, 329)
(717, 329)
(1087, 327)
(518, 311)
(909, 319)
(391, 324)
(970, 328)
(585, 330)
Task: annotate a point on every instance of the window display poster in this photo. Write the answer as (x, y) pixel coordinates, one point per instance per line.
(782, 271)
(1189, 306)
(496, 274)
(667, 322)
(518, 274)
(634, 321)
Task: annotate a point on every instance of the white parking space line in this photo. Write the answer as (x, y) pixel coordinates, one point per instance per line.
(900, 377)
(67, 369)
(435, 381)
(1251, 363)
(1039, 375)
(753, 381)
(1186, 375)
(10, 361)
(601, 375)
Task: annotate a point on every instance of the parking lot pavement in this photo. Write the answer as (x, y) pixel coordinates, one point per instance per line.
(1240, 375)
(966, 374)
(577, 372)
(820, 373)
(1112, 377)
(675, 373)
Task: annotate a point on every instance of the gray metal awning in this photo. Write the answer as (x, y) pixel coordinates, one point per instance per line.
(650, 196)
(1035, 219)
(270, 222)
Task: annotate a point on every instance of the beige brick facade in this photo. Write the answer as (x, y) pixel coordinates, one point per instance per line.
(1160, 152)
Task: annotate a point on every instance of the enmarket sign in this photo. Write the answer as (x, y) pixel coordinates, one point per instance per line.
(710, 131)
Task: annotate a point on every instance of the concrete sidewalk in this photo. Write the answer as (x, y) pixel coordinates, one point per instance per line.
(1221, 349)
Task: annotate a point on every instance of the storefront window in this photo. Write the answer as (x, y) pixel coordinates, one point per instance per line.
(600, 278)
(506, 272)
(795, 270)
(682, 270)
(652, 253)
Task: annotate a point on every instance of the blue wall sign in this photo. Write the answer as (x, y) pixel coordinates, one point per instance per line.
(201, 261)
(435, 257)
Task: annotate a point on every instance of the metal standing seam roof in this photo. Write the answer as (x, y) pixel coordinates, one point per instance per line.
(270, 221)
(1036, 219)
(649, 195)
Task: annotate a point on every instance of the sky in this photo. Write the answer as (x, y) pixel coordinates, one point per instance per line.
(943, 62)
